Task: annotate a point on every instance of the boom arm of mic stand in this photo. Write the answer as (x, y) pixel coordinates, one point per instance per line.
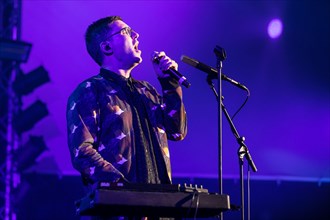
(243, 150)
(209, 81)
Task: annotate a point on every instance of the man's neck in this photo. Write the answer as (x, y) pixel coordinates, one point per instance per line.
(123, 72)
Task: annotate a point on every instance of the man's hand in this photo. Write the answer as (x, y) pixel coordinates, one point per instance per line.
(161, 63)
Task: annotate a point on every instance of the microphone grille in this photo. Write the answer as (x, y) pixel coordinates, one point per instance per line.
(189, 60)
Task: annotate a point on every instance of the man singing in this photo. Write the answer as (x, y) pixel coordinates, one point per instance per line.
(117, 126)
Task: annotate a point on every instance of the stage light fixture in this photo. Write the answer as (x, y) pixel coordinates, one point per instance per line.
(26, 83)
(275, 28)
(26, 119)
(26, 155)
(14, 50)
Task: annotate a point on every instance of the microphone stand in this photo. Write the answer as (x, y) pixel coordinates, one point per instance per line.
(243, 149)
(221, 56)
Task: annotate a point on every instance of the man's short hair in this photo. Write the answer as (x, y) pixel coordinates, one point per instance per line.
(95, 34)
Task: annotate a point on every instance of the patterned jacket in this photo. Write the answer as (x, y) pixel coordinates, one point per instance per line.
(100, 130)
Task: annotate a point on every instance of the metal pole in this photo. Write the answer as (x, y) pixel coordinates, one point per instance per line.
(14, 30)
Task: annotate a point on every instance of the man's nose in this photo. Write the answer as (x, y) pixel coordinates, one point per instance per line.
(134, 34)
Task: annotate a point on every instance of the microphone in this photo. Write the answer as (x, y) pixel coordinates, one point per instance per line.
(173, 73)
(211, 71)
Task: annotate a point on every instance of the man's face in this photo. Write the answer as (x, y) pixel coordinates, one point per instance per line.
(124, 44)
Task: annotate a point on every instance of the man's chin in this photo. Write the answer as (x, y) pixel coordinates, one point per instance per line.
(137, 60)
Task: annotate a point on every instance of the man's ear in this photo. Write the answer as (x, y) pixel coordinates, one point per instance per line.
(105, 48)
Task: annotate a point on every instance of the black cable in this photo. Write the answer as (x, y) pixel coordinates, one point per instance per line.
(240, 108)
(197, 205)
(192, 202)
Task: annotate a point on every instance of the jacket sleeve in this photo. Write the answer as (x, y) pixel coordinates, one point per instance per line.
(175, 119)
(82, 128)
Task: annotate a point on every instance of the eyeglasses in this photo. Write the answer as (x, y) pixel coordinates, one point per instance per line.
(126, 30)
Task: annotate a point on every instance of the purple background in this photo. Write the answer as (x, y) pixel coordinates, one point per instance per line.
(285, 121)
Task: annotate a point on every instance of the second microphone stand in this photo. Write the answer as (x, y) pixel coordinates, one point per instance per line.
(243, 151)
